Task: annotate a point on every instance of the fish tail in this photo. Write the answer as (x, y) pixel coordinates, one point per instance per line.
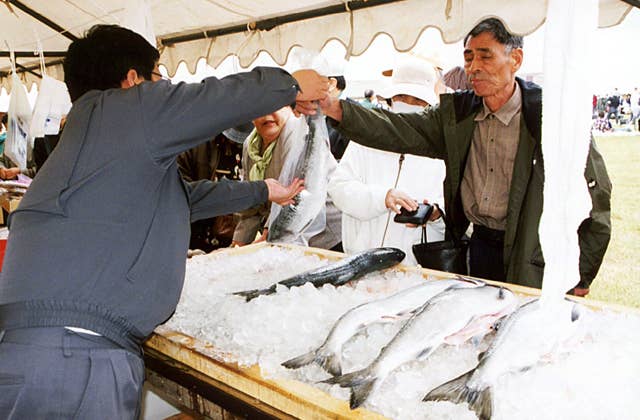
(300, 361)
(457, 391)
(330, 362)
(361, 383)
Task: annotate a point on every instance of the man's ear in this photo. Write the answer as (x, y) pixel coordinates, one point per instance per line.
(130, 80)
(516, 57)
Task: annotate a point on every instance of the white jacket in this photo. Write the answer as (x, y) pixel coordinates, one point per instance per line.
(359, 186)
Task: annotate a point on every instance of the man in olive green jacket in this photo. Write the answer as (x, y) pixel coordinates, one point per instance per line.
(496, 185)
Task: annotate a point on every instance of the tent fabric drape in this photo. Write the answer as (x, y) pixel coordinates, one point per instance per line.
(404, 21)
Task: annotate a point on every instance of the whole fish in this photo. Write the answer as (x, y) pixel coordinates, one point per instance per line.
(294, 219)
(523, 339)
(338, 273)
(398, 305)
(447, 314)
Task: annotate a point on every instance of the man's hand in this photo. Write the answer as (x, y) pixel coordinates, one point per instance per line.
(282, 195)
(435, 214)
(9, 173)
(313, 87)
(332, 107)
(263, 237)
(579, 291)
(396, 199)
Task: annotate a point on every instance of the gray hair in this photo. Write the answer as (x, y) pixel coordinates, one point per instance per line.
(497, 29)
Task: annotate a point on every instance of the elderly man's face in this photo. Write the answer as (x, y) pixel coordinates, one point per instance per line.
(489, 67)
(269, 126)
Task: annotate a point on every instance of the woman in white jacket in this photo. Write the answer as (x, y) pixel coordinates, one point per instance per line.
(369, 183)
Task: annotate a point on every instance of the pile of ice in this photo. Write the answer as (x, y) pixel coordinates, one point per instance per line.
(597, 379)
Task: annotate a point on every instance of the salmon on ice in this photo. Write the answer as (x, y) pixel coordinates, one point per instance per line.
(448, 314)
(523, 340)
(397, 306)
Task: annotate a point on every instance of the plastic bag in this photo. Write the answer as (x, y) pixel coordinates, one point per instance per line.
(19, 119)
(53, 102)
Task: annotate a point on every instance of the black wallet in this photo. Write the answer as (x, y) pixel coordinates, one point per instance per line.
(418, 217)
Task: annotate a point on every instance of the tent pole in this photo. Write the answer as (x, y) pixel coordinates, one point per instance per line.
(43, 19)
(268, 24)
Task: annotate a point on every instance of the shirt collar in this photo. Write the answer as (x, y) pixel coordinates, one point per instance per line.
(506, 112)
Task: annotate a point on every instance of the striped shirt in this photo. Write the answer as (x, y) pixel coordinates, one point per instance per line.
(487, 176)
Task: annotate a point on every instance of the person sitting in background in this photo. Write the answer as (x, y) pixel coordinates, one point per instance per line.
(601, 123)
(264, 154)
(369, 186)
(214, 160)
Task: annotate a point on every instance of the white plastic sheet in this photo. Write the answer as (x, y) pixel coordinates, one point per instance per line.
(566, 120)
(19, 118)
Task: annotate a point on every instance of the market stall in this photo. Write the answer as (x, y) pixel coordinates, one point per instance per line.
(203, 366)
(186, 31)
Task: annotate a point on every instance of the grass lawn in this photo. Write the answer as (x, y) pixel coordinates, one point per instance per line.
(619, 277)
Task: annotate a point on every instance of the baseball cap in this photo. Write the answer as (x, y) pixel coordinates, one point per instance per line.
(412, 76)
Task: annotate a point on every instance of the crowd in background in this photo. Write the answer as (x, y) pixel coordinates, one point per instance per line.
(617, 111)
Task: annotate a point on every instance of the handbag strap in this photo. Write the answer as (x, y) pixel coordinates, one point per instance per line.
(384, 235)
(447, 232)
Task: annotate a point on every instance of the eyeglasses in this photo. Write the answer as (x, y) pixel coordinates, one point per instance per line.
(155, 73)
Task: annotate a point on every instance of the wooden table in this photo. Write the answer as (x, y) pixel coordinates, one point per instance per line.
(203, 385)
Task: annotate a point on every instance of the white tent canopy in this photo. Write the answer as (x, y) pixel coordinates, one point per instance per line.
(211, 29)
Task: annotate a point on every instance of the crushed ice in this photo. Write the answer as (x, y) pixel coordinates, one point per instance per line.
(596, 378)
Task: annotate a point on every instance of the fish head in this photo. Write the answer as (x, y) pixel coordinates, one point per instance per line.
(391, 254)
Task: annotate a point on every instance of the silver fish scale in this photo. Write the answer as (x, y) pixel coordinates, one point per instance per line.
(293, 220)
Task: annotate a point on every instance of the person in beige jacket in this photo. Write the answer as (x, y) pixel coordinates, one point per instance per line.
(264, 154)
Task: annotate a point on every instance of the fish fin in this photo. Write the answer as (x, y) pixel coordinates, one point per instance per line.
(360, 392)
(330, 362)
(360, 382)
(298, 362)
(424, 353)
(482, 405)
(346, 379)
(575, 312)
(249, 294)
(457, 391)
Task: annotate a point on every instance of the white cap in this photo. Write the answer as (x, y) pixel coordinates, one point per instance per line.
(414, 77)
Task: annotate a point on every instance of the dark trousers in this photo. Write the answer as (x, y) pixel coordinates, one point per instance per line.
(486, 253)
(55, 373)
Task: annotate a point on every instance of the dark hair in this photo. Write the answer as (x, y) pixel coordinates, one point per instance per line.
(496, 28)
(5, 119)
(601, 114)
(368, 93)
(340, 82)
(103, 57)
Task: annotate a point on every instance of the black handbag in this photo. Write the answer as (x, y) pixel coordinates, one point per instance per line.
(449, 255)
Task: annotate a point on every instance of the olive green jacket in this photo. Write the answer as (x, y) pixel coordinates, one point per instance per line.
(445, 132)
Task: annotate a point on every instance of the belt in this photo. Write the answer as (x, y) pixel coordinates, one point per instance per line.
(487, 234)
